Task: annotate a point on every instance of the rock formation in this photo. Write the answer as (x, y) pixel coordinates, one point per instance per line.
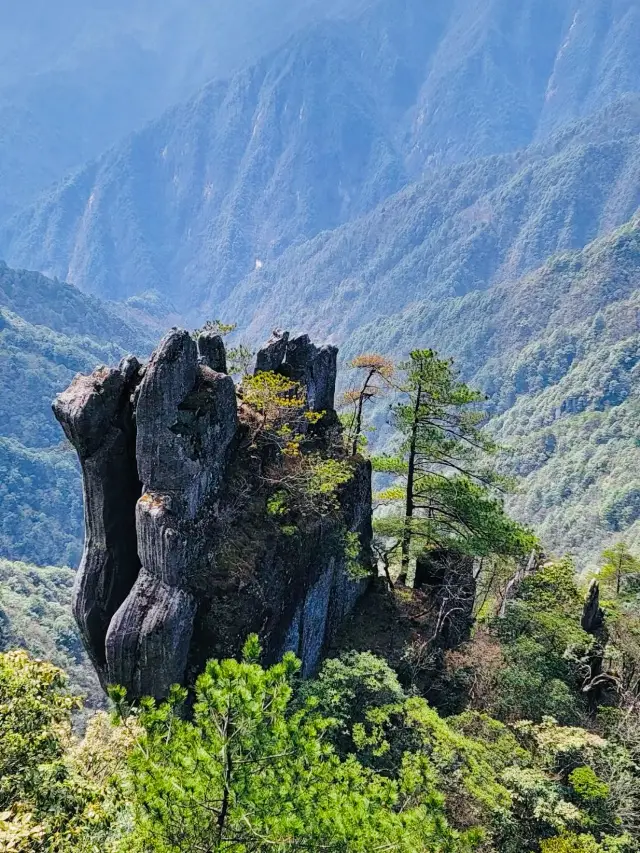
(592, 620)
(182, 559)
(448, 576)
(599, 686)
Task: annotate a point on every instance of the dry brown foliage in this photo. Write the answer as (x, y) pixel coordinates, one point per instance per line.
(483, 658)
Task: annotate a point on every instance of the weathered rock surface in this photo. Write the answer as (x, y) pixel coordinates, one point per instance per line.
(299, 359)
(271, 357)
(148, 639)
(181, 559)
(600, 686)
(592, 620)
(211, 352)
(97, 417)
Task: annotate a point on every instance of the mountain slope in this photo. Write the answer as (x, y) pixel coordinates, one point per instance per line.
(35, 614)
(397, 173)
(76, 78)
(48, 332)
(558, 352)
(319, 132)
(461, 229)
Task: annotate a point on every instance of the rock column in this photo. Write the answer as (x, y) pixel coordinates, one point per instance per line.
(186, 419)
(96, 415)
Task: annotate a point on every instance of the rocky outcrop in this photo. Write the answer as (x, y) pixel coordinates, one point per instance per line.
(96, 414)
(599, 685)
(181, 558)
(211, 352)
(448, 578)
(315, 368)
(592, 620)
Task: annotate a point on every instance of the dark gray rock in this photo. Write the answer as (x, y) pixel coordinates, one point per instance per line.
(599, 686)
(88, 407)
(592, 614)
(96, 415)
(186, 417)
(316, 369)
(164, 457)
(148, 639)
(181, 559)
(298, 359)
(211, 352)
(271, 357)
(523, 571)
(315, 616)
(163, 547)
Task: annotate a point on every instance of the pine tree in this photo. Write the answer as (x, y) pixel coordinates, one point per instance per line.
(249, 774)
(376, 371)
(449, 492)
(618, 566)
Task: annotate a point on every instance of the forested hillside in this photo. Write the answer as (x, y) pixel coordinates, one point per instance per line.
(461, 229)
(515, 751)
(49, 331)
(557, 353)
(383, 174)
(35, 614)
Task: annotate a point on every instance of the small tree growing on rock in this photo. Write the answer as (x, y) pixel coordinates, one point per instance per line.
(302, 475)
(448, 493)
(375, 373)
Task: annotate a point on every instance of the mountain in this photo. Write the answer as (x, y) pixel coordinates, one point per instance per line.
(390, 174)
(558, 353)
(49, 331)
(76, 77)
(318, 133)
(461, 229)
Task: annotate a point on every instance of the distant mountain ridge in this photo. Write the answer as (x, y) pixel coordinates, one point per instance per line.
(462, 228)
(77, 77)
(318, 133)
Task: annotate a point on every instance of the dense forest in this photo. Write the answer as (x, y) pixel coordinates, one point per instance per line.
(481, 699)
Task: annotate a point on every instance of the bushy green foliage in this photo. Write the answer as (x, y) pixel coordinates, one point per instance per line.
(36, 603)
(543, 645)
(262, 761)
(348, 687)
(587, 786)
(247, 775)
(572, 843)
(304, 479)
(619, 573)
(46, 804)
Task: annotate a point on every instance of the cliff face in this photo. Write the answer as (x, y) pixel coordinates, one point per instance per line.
(182, 558)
